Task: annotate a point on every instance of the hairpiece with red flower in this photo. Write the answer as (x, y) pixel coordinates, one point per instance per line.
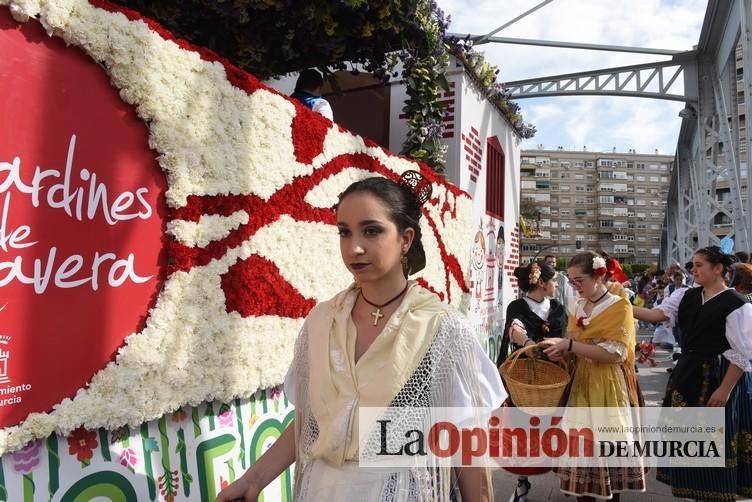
(599, 266)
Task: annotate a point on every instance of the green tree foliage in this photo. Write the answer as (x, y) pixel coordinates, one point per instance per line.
(269, 38)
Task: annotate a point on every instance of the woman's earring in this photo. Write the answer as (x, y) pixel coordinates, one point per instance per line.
(405, 265)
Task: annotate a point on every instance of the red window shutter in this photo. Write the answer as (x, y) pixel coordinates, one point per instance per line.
(494, 178)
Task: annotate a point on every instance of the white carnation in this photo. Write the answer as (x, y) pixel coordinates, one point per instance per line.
(598, 263)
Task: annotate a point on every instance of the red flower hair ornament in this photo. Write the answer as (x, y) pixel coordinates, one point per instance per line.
(599, 266)
(614, 268)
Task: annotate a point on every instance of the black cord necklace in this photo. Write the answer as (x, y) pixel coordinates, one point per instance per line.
(536, 301)
(599, 298)
(377, 315)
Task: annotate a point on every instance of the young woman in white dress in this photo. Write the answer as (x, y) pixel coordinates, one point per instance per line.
(384, 341)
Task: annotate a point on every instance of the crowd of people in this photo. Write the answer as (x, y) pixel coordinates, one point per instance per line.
(708, 313)
(386, 341)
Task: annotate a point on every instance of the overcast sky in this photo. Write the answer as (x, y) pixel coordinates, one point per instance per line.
(600, 123)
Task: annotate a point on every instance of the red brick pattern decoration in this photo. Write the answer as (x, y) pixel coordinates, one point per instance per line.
(447, 99)
(473, 153)
(513, 258)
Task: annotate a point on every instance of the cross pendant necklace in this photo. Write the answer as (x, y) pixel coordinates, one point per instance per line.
(377, 315)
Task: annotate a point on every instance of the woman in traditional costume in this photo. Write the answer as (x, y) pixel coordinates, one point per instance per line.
(716, 324)
(529, 320)
(601, 337)
(536, 315)
(383, 342)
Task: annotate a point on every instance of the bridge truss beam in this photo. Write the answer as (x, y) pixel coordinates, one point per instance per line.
(659, 80)
(708, 197)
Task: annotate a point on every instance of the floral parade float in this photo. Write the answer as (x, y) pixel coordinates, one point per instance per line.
(167, 225)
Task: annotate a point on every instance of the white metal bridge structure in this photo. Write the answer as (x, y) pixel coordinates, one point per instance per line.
(707, 197)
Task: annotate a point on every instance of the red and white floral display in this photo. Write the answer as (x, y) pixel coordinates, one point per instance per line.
(252, 177)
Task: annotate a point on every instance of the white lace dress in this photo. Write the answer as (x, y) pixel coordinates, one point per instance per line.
(455, 372)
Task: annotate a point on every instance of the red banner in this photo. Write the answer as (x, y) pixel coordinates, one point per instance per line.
(82, 220)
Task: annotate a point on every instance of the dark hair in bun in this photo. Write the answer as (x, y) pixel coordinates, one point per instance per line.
(524, 273)
(715, 256)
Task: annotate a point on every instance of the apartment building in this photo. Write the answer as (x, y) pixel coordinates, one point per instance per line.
(578, 200)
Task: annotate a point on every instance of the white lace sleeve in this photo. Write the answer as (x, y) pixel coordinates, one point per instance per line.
(738, 328)
(290, 376)
(670, 305)
(737, 360)
(491, 392)
(615, 347)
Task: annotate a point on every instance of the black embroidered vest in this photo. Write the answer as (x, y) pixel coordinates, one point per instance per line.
(704, 325)
(698, 371)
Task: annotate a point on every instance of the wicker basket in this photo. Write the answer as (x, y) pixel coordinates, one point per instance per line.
(532, 381)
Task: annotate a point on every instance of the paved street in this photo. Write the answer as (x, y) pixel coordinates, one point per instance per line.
(546, 486)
